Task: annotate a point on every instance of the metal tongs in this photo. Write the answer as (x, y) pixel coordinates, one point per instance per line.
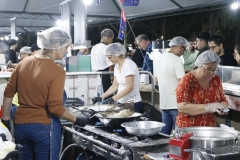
(90, 113)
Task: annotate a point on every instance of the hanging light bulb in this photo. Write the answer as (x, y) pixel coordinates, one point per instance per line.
(235, 5)
(59, 23)
(87, 2)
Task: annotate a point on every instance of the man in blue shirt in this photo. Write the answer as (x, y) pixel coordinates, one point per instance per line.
(145, 44)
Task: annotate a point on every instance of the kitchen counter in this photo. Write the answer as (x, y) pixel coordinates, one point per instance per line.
(232, 91)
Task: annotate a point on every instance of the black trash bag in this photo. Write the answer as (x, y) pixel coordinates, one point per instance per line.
(154, 114)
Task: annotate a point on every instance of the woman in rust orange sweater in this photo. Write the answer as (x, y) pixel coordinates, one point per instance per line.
(39, 82)
(200, 94)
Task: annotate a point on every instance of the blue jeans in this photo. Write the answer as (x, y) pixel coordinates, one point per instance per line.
(169, 118)
(35, 139)
(39, 141)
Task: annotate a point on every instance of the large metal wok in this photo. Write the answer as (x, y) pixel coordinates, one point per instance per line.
(143, 128)
(209, 137)
(110, 122)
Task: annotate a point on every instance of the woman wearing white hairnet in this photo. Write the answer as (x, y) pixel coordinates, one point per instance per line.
(126, 78)
(39, 82)
(25, 52)
(200, 93)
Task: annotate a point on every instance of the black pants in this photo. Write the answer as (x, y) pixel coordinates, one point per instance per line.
(106, 81)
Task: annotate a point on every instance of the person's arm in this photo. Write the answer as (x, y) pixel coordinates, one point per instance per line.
(9, 92)
(111, 68)
(191, 109)
(144, 66)
(55, 106)
(112, 89)
(129, 87)
(14, 65)
(68, 116)
(7, 102)
(10, 69)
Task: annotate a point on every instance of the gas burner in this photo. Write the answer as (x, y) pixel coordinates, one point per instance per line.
(115, 143)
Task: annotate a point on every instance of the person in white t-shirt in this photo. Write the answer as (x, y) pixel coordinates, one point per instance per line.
(169, 70)
(99, 61)
(126, 78)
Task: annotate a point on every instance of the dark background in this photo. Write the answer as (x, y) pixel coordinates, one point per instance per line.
(223, 21)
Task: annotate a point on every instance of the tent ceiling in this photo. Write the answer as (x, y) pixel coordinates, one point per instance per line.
(34, 15)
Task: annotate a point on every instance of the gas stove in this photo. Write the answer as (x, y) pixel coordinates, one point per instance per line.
(116, 143)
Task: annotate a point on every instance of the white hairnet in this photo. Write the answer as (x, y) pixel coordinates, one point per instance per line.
(207, 57)
(26, 50)
(177, 41)
(53, 38)
(114, 49)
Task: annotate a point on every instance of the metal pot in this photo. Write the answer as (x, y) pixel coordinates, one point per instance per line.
(110, 122)
(209, 137)
(143, 128)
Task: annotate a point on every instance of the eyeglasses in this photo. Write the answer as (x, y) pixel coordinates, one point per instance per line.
(209, 70)
(212, 47)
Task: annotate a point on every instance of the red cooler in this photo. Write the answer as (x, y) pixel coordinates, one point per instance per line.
(177, 146)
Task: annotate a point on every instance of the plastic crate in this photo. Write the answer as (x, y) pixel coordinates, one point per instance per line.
(15, 155)
(79, 63)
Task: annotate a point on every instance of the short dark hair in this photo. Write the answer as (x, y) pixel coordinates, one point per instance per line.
(203, 36)
(12, 42)
(142, 37)
(192, 40)
(217, 38)
(34, 47)
(237, 47)
(107, 33)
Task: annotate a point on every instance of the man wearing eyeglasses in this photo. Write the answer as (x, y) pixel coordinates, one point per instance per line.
(215, 43)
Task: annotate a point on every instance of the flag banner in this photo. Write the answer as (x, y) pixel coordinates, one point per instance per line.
(98, 2)
(122, 28)
(130, 2)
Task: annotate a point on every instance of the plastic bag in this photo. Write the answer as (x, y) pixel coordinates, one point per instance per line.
(3, 129)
